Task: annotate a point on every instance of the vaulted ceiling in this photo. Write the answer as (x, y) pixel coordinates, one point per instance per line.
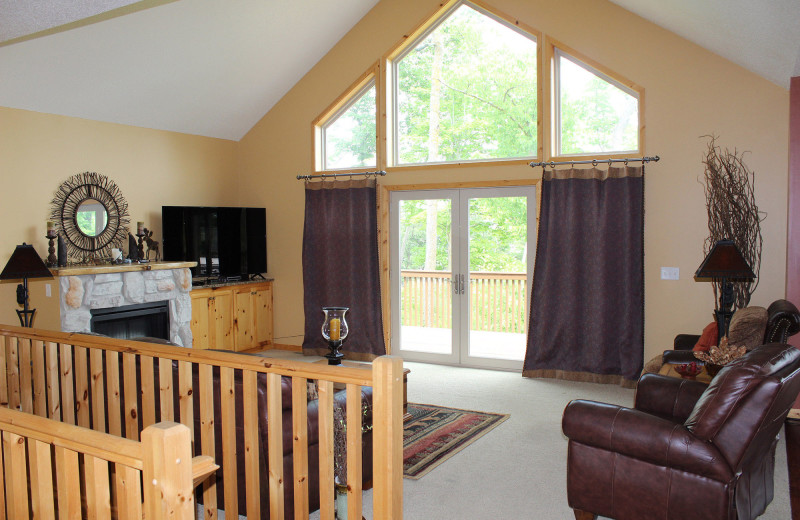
(214, 68)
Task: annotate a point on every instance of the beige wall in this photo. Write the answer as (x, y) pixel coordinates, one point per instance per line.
(689, 92)
(152, 168)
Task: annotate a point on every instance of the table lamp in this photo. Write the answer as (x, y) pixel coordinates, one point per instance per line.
(724, 263)
(25, 263)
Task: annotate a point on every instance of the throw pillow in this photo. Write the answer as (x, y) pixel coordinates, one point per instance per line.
(708, 338)
(653, 366)
(747, 327)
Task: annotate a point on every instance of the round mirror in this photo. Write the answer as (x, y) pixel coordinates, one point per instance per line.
(91, 218)
(92, 215)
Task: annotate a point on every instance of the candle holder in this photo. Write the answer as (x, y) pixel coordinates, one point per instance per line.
(52, 259)
(334, 330)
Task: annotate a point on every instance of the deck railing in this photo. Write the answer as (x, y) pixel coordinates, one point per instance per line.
(498, 300)
(119, 387)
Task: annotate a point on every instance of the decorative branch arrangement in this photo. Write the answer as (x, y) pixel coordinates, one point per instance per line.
(732, 213)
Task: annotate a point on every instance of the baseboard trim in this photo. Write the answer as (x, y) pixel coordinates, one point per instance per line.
(291, 348)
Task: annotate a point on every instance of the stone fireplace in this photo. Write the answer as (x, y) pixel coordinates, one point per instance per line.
(83, 290)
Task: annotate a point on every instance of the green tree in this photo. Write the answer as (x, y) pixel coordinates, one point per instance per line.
(482, 87)
(350, 137)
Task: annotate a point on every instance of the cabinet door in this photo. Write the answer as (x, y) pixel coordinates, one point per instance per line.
(200, 324)
(244, 321)
(221, 311)
(262, 303)
(221, 308)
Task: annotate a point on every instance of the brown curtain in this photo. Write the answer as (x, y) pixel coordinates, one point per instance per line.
(340, 265)
(587, 307)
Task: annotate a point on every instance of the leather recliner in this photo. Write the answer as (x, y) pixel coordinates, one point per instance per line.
(687, 450)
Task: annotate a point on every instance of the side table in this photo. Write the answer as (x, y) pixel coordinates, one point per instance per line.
(668, 369)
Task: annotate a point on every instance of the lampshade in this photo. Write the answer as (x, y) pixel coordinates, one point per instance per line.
(25, 262)
(725, 261)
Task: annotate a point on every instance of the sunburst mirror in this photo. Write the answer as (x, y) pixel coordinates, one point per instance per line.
(91, 213)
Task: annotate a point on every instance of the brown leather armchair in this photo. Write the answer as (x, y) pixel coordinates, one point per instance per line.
(783, 321)
(686, 451)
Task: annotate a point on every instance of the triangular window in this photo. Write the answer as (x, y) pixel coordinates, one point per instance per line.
(466, 90)
(594, 114)
(348, 138)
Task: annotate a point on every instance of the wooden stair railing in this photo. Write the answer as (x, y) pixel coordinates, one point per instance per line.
(155, 476)
(95, 382)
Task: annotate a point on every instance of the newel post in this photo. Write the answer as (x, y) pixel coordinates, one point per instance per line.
(167, 472)
(387, 452)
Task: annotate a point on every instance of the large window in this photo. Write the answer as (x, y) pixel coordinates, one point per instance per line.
(466, 91)
(468, 86)
(594, 113)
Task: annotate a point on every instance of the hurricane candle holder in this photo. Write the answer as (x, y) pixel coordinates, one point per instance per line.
(334, 330)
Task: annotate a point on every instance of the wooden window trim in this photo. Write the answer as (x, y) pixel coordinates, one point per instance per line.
(620, 80)
(333, 111)
(382, 72)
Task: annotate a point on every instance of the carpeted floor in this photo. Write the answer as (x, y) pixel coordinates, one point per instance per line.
(518, 471)
(433, 434)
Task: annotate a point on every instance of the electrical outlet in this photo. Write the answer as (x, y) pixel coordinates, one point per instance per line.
(47, 291)
(670, 273)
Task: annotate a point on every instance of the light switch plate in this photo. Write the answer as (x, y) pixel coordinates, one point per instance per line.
(670, 273)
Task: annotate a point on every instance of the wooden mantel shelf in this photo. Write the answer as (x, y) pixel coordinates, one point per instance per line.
(119, 268)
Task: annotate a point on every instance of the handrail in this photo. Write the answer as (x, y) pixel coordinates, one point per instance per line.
(339, 374)
(168, 474)
(75, 438)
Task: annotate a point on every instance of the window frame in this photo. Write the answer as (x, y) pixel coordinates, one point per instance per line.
(336, 109)
(431, 23)
(556, 50)
(383, 73)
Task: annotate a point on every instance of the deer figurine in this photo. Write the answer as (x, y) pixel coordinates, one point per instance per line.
(152, 245)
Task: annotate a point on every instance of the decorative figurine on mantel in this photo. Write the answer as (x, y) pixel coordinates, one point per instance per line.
(133, 249)
(152, 245)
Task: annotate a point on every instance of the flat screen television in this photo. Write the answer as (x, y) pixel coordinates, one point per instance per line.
(226, 242)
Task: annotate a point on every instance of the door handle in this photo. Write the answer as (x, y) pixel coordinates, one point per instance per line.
(455, 284)
(462, 283)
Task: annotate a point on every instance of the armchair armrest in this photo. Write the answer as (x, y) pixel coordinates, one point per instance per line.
(642, 436)
(784, 321)
(679, 356)
(668, 397)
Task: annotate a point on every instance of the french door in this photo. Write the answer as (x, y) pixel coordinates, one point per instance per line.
(461, 271)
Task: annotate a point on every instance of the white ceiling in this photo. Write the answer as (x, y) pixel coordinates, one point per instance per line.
(762, 36)
(214, 68)
(205, 67)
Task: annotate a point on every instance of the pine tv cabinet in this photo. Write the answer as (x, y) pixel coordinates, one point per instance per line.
(233, 317)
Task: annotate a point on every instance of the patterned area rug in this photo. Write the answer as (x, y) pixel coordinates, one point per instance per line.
(433, 434)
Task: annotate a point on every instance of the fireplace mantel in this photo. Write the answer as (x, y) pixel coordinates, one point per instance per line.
(119, 268)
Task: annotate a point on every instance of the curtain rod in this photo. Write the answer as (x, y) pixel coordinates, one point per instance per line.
(334, 175)
(595, 162)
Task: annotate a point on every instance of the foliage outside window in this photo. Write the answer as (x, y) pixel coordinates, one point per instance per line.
(425, 234)
(465, 87)
(594, 113)
(467, 91)
(349, 137)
